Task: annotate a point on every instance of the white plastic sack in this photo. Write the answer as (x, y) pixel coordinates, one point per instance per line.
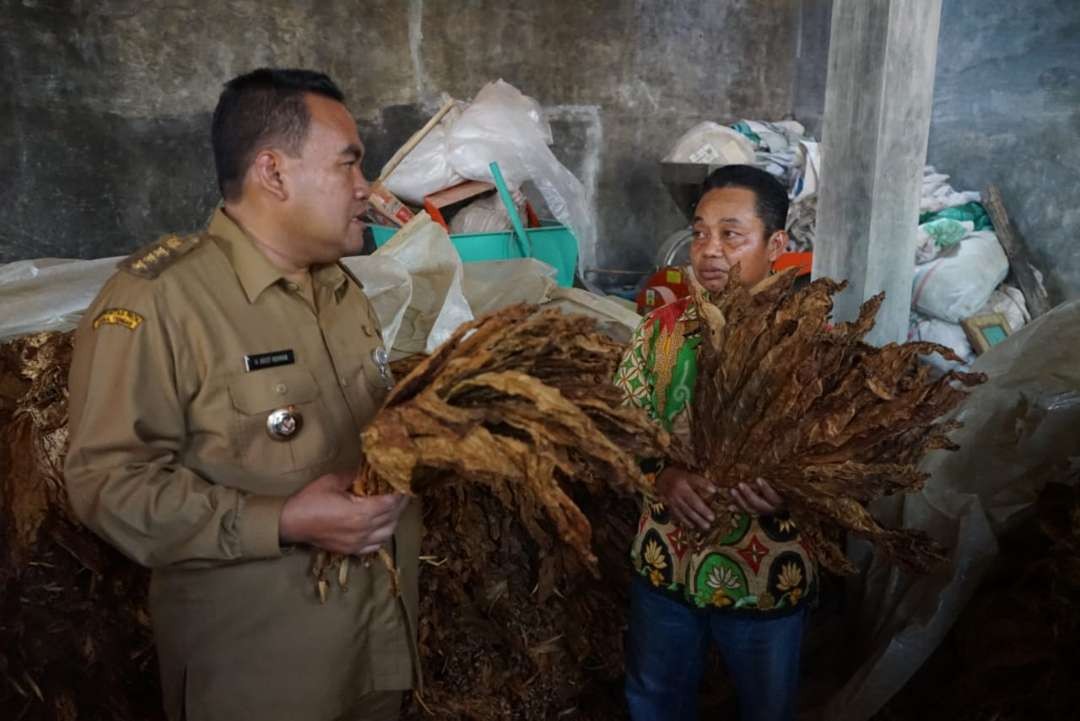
(938, 236)
(1019, 433)
(437, 305)
(426, 168)
(497, 284)
(504, 126)
(49, 293)
(712, 144)
(950, 335)
(956, 285)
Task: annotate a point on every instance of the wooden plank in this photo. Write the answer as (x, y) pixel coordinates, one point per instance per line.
(1019, 259)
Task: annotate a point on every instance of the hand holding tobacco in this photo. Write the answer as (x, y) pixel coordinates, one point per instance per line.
(326, 514)
(685, 494)
(783, 393)
(757, 499)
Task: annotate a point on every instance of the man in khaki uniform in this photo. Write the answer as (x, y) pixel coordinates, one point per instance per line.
(218, 390)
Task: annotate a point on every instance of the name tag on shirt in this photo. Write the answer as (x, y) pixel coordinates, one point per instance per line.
(272, 359)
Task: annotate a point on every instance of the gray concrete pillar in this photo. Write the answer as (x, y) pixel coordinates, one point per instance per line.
(878, 98)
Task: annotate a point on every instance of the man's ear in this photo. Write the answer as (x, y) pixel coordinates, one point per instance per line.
(777, 244)
(267, 170)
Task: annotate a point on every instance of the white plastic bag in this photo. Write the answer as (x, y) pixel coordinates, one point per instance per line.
(426, 168)
(437, 305)
(956, 285)
(950, 335)
(504, 126)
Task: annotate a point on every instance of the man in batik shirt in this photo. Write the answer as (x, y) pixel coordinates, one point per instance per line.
(748, 593)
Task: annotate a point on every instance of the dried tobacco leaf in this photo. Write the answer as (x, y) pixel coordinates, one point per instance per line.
(831, 422)
(522, 403)
(525, 454)
(514, 623)
(75, 638)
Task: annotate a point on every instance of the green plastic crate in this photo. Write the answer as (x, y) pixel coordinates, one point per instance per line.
(552, 243)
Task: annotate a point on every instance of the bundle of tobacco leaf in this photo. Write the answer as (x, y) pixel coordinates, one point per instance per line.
(75, 637)
(829, 421)
(522, 403)
(521, 446)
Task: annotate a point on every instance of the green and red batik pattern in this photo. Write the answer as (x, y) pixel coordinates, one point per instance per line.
(761, 565)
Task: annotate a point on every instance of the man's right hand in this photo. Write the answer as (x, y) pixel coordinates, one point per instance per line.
(328, 515)
(684, 494)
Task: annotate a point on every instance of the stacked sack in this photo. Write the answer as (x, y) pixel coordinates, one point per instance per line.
(960, 270)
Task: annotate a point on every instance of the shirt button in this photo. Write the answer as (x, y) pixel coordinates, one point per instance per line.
(292, 286)
(344, 382)
(280, 389)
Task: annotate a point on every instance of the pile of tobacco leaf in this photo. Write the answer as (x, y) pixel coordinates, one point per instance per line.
(524, 578)
(75, 640)
(526, 457)
(524, 453)
(829, 421)
(1012, 654)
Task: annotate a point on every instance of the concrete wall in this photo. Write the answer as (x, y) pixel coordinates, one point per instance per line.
(811, 63)
(104, 132)
(1007, 111)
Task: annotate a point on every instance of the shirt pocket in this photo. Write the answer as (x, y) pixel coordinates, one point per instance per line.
(255, 396)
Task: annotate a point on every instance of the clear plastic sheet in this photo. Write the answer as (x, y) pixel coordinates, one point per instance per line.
(426, 168)
(48, 293)
(1021, 430)
(505, 126)
(417, 283)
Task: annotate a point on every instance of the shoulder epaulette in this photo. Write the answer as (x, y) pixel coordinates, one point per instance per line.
(149, 261)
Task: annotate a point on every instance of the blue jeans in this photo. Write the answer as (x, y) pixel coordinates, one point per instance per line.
(665, 654)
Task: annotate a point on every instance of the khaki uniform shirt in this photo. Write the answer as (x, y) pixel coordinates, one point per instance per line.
(170, 460)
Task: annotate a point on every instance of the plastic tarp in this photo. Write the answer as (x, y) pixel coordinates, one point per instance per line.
(503, 125)
(420, 289)
(497, 284)
(1020, 432)
(49, 293)
(436, 305)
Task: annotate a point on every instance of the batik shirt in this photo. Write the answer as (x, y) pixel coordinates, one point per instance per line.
(761, 565)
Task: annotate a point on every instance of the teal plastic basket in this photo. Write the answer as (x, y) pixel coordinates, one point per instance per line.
(553, 243)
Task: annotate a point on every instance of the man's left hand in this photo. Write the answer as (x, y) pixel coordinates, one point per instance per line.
(757, 500)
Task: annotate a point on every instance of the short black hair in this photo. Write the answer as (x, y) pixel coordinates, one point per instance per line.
(772, 198)
(258, 108)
